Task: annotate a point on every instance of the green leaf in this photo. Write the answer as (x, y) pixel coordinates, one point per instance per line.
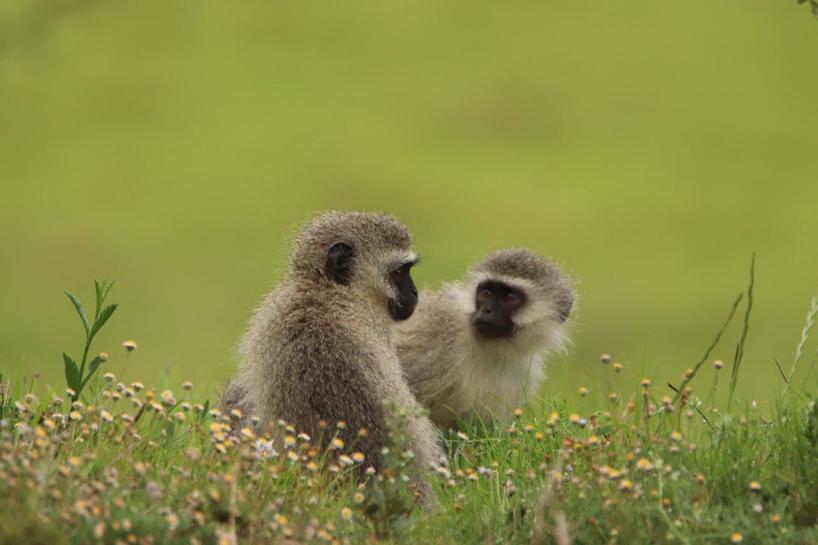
(205, 412)
(100, 298)
(103, 317)
(80, 311)
(102, 289)
(72, 372)
(95, 363)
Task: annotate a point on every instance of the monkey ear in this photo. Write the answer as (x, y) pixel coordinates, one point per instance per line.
(338, 266)
(565, 307)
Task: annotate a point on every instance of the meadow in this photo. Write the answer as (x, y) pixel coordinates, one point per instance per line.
(121, 462)
(651, 148)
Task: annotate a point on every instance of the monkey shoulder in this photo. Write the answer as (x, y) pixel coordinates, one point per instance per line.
(440, 314)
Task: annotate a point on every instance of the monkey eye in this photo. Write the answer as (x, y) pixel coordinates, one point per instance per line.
(484, 294)
(511, 297)
(397, 273)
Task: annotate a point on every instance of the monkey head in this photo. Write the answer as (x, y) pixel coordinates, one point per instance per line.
(364, 251)
(516, 292)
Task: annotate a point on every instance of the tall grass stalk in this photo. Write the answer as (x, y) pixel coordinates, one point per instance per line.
(740, 348)
(799, 351)
(710, 348)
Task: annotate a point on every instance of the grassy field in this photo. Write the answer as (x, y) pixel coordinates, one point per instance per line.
(636, 462)
(650, 148)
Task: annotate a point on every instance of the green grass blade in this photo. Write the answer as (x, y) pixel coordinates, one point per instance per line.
(710, 348)
(739, 356)
(805, 332)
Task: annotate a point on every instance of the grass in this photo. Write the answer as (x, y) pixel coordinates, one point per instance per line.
(624, 463)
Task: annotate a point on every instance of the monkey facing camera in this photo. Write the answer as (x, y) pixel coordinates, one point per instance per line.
(475, 348)
(320, 347)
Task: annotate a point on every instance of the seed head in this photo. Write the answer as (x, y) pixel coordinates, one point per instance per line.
(583, 391)
(130, 345)
(167, 398)
(718, 364)
(644, 464)
(578, 420)
(605, 359)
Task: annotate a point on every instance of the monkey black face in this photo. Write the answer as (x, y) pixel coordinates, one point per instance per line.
(495, 306)
(404, 305)
(339, 268)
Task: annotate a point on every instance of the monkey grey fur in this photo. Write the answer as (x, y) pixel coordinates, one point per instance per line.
(320, 346)
(476, 347)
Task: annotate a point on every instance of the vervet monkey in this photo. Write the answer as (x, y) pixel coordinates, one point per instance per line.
(320, 346)
(475, 348)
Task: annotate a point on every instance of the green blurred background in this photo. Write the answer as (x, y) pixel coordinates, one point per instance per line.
(650, 147)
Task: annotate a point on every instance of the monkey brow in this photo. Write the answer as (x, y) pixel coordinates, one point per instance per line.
(407, 263)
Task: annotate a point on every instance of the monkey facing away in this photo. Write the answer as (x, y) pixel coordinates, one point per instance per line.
(320, 347)
(476, 347)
